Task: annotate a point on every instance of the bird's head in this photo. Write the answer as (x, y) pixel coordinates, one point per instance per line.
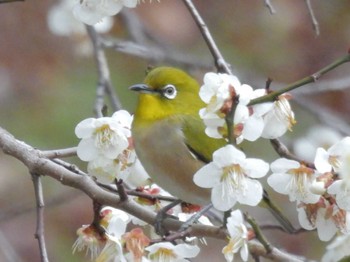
(167, 92)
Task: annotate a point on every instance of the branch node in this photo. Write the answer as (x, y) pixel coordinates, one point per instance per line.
(121, 190)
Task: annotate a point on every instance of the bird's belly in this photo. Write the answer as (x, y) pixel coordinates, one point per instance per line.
(165, 156)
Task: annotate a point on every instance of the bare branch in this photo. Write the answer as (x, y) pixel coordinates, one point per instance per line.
(155, 53)
(283, 151)
(39, 234)
(324, 114)
(306, 80)
(270, 7)
(104, 83)
(315, 24)
(10, 1)
(60, 153)
(219, 60)
(32, 158)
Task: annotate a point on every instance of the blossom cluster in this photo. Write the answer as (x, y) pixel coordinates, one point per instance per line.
(107, 146)
(93, 11)
(322, 192)
(111, 242)
(224, 94)
(320, 189)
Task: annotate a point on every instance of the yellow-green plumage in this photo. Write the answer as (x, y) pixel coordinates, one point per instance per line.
(169, 135)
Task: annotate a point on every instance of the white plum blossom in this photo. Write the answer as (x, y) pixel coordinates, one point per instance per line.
(338, 249)
(168, 252)
(220, 92)
(62, 22)
(217, 90)
(238, 239)
(213, 123)
(279, 119)
(331, 159)
(116, 221)
(232, 178)
(93, 11)
(327, 218)
(341, 188)
(317, 136)
(90, 239)
(105, 136)
(291, 178)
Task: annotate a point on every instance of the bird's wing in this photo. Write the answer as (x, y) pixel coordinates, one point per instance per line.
(201, 145)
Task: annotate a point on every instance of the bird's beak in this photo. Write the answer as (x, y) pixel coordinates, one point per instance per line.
(142, 88)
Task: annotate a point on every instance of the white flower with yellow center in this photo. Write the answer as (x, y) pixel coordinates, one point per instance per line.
(238, 239)
(293, 179)
(331, 159)
(231, 177)
(167, 252)
(93, 11)
(105, 136)
(279, 119)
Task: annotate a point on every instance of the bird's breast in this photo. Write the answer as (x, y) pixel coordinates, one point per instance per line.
(162, 150)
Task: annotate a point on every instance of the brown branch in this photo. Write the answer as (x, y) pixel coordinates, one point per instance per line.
(33, 160)
(10, 1)
(60, 153)
(156, 53)
(104, 82)
(270, 7)
(283, 151)
(315, 24)
(306, 80)
(39, 233)
(219, 60)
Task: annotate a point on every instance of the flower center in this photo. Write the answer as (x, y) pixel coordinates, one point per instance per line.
(232, 179)
(164, 255)
(104, 136)
(301, 176)
(284, 112)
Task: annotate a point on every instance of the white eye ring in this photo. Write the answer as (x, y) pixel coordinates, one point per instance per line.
(169, 91)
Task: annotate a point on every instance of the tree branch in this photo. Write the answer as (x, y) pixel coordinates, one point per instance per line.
(315, 24)
(219, 60)
(104, 82)
(39, 165)
(39, 233)
(306, 80)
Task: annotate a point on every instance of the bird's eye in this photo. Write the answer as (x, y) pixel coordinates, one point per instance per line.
(169, 91)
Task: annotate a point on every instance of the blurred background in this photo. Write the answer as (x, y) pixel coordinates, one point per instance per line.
(48, 78)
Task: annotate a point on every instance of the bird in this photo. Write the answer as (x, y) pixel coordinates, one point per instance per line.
(169, 135)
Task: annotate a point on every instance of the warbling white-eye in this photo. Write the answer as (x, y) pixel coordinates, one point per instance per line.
(169, 135)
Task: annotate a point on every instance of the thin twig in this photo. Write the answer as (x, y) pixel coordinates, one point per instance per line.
(39, 233)
(156, 54)
(32, 158)
(104, 82)
(315, 24)
(309, 79)
(270, 7)
(10, 1)
(97, 218)
(324, 114)
(219, 60)
(258, 234)
(121, 190)
(283, 151)
(60, 153)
